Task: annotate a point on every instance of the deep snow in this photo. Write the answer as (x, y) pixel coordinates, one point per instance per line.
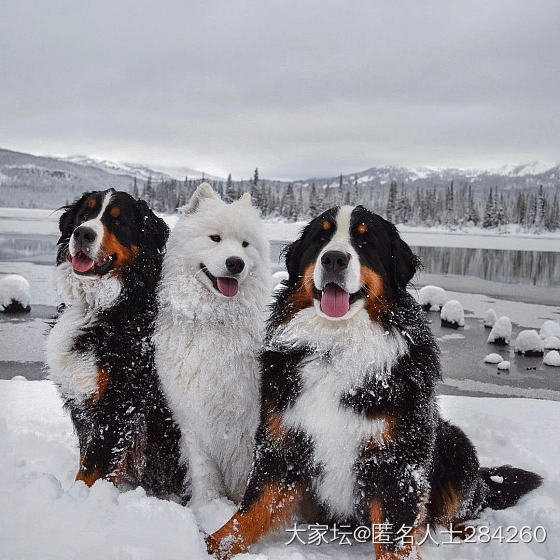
(45, 515)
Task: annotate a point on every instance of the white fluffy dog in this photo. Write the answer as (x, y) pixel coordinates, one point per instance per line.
(214, 291)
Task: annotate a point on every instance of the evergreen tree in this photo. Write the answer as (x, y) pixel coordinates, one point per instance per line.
(489, 219)
(135, 192)
(392, 202)
(230, 195)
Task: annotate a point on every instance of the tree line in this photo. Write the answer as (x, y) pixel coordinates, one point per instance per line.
(451, 207)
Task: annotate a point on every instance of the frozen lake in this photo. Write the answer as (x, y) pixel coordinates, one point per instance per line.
(523, 284)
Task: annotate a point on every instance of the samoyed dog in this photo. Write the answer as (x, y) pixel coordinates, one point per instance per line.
(213, 295)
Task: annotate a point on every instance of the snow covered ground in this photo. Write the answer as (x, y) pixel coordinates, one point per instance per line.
(46, 515)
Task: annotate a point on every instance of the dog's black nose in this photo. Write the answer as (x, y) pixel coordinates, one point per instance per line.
(335, 261)
(235, 265)
(84, 234)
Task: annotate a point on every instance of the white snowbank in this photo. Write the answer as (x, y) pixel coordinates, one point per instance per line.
(504, 366)
(490, 318)
(279, 276)
(14, 289)
(550, 328)
(552, 358)
(551, 343)
(453, 312)
(501, 331)
(432, 297)
(493, 359)
(49, 516)
(529, 342)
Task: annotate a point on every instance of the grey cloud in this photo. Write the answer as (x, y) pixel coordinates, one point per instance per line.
(297, 88)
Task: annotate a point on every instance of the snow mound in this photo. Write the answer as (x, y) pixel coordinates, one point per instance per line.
(50, 516)
(552, 343)
(501, 331)
(452, 314)
(15, 294)
(529, 343)
(280, 276)
(552, 358)
(504, 366)
(550, 328)
(493, 359)
(432, 297)
(490, 318)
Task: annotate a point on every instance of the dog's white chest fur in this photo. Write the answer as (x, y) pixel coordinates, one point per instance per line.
(73, 372)
(345, 355)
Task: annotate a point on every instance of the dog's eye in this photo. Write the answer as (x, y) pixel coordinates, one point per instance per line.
(245, 244)
(215, 238)
(117, 222)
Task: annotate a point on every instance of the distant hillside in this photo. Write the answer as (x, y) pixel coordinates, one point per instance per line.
(49, 182)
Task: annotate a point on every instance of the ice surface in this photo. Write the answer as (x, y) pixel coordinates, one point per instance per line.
(433, 297)
(501, 330)
(552, 358)
(529, 341)
(493, 359)
(14, 288)
(453, 312)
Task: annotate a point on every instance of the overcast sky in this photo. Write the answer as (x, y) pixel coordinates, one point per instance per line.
(297, 88)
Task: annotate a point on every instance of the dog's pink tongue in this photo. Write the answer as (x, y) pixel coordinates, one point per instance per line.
(227, 286)
(81, 263)
(335, 302)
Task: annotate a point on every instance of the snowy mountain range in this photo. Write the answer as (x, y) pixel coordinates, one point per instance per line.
(43, 181)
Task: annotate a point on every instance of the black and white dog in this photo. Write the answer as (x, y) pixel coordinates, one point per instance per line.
(100, 353)
(350, 431)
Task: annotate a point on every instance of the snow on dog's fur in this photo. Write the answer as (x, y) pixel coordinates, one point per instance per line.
(213, 296)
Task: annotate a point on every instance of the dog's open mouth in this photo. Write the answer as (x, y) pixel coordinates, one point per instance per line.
(82, 264)
(224, 284)
(335, 301)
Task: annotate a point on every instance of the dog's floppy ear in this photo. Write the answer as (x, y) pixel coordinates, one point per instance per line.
(67, 217)
(153, 230)
(406, 263)
(204, 190)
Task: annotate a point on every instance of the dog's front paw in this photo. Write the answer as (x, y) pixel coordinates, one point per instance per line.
(213, 548)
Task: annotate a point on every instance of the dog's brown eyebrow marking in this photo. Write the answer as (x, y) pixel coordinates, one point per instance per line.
(115, 211)
(362, 228)
(326, 225)
(92, 202)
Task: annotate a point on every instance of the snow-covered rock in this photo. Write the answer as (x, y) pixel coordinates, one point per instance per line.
(501, 331)
(550, 328)
(552, 358)
(529, 343)
(490, 318)
(493, 359)
(504, 366)
(280, 276)
(452, 314)
(15, 294)
(432, 298)
(552, 343)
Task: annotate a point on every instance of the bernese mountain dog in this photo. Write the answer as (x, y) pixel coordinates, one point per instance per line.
(99, 351)
(350, 431)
